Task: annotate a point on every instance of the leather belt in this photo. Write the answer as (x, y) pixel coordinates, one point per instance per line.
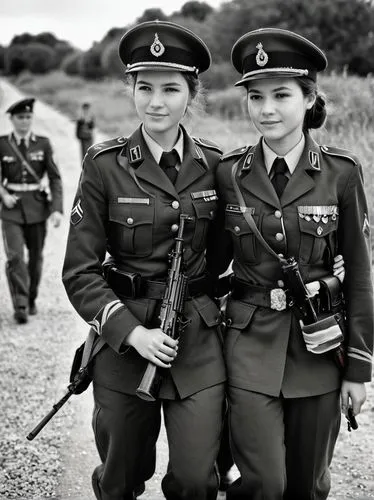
(274, 298)
(11, 186)
(132, 286)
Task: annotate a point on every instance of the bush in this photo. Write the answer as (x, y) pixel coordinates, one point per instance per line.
(71, 64)
(90, 64)
(39, 58)
(15, 61)
(110, 61)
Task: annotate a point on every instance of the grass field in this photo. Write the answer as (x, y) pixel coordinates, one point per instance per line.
(350, 123)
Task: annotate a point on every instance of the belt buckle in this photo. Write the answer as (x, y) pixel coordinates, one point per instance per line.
(278, 299)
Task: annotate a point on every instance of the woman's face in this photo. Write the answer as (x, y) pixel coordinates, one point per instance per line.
(161, 99)
(22, 122)
(277, 107)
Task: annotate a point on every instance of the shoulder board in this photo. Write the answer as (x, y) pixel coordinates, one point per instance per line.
(343, 153)
(108, 145)
(207, 144)
(235, 152)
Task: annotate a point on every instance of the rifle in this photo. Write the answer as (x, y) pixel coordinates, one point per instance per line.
(311, 324)
(170, 313)
(80, 377)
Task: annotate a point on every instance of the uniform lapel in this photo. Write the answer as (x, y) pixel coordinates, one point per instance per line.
(146, 168)
(254, 176)
(194, 164)
(301, 181)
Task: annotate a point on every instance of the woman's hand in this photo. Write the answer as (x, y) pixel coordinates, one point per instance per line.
(154, 345)
(352, 394)
(338, 268)
(10, 200)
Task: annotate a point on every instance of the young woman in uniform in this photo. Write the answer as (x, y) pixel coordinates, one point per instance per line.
(128, 204)
(308, 202)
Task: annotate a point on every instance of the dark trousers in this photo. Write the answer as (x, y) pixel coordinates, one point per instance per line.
(224, 458)
(282, 447)
(126, 430)
(23, 277)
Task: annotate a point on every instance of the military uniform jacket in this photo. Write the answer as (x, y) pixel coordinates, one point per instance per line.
(125, 205)
(32, 206)
(322, 212)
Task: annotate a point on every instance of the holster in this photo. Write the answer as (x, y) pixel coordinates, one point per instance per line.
(327, 333)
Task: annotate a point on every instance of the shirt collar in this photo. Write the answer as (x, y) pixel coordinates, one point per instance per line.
(18, 138)
(156, 150)
(292, 157)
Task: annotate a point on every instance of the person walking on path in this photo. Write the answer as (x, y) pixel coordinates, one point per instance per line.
(85, 126)
(287, 204)
(27, 202)
(130, 197)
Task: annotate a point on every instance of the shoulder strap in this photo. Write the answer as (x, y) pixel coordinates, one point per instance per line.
(24, 162)
(248, 216)
(92, 346)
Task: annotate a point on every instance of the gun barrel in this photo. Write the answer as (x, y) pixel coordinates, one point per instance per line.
(48, 417)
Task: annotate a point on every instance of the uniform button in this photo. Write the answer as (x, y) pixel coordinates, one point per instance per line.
(278, 214)
(175, 204)
(279, 236)
(237, 229)
(130, 220)
(174, 228)
(280, 283)
(228, 322)
(280, 255)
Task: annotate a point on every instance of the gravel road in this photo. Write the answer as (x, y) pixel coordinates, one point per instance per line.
(35, 362)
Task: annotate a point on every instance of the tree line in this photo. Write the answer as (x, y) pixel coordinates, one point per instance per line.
(343, 28)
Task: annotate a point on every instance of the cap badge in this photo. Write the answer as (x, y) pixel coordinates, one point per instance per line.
(157, 49)
(261, 56)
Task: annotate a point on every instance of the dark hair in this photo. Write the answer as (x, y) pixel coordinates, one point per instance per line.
(315, 116)
(193, 82)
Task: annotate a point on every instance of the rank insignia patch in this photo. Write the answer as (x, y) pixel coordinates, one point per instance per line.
(76, 213)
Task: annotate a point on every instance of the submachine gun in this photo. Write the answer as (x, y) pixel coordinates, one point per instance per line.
(171, 313)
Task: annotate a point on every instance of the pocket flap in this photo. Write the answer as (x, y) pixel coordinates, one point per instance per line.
(131, 215)
(318, 229)
(239, 314)
(236, 223)
(208, 310)
(204, 209)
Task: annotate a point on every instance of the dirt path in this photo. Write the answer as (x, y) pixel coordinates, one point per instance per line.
(47, 343)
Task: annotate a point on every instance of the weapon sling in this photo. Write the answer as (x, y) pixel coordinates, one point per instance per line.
(91, 347)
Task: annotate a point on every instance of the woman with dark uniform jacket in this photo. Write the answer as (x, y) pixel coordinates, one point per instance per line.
(285, 400)
(128, 206)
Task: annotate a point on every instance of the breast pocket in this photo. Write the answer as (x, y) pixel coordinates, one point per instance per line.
(204, 213)
(245, 244)
(132, 228)
(318, 240)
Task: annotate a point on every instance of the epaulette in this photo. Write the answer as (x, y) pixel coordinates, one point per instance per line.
(235, 152)
(343, 153)
(102, 147)
(207, 144)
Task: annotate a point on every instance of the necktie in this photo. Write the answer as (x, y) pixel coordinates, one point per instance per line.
(279, 179)
(167, 162)
(22, 147)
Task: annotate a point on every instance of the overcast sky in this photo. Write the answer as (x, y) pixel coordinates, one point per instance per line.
(78, 21)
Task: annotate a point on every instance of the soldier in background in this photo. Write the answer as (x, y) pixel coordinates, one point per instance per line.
(27, 202)
(85, 128)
